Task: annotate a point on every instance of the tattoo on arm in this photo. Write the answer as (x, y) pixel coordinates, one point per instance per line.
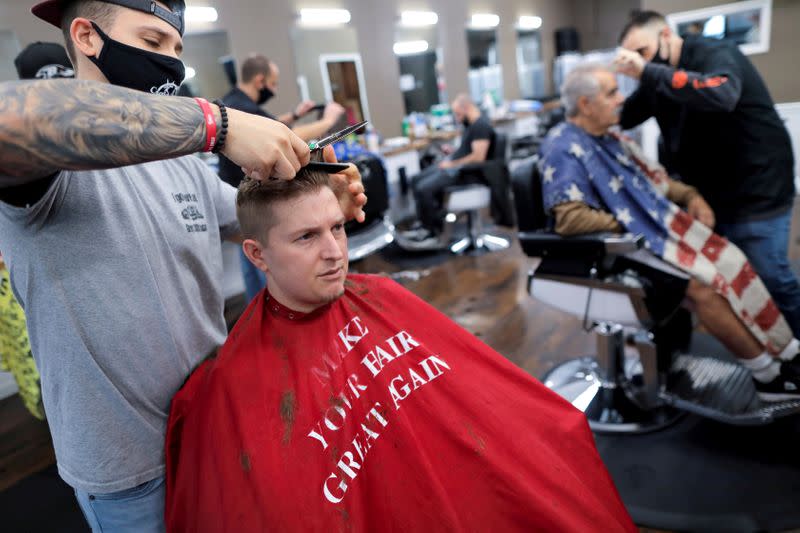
(52, 125)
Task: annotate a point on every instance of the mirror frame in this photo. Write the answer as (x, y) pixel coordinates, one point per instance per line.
(764, 6)
(324, 59)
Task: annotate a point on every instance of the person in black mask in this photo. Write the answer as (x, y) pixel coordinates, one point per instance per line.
(258, 83)
(722, 135)
(112, 229)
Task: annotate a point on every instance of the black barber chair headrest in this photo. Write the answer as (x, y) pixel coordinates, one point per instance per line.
(528, 197)
(373, 175)
(499, 148)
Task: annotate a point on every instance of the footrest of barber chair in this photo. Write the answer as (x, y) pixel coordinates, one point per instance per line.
(368, 239)
(721, 390)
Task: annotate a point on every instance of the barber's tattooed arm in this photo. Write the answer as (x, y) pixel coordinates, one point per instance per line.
(52, 125)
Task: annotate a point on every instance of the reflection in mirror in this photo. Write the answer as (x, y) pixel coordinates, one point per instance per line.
(343, 78)
(530, 67)
(421, 69)
(340, 81)
(204, 56)
(485, 71)
(746, 24)
(9, 48)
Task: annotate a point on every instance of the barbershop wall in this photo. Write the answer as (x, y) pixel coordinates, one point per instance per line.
(775, 65)
(600, 21)
(267, 29)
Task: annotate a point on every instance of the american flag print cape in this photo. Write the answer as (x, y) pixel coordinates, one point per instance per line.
(610, 173)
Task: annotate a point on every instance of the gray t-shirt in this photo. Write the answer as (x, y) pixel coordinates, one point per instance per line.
(120, 275)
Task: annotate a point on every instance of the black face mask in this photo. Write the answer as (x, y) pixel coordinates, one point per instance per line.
(465, 123)
(265, 94)
(138, 69)
(657, 59)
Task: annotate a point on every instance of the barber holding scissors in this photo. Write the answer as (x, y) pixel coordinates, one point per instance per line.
(112, 232)
(723, 136)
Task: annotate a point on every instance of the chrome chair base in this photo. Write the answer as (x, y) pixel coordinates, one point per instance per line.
(606, 405)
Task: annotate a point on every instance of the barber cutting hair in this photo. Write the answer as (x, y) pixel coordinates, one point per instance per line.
(97, 169)
(723, 136)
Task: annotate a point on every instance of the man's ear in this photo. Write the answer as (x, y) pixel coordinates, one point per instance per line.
(84, 38)
(255, 253)
(584, 105)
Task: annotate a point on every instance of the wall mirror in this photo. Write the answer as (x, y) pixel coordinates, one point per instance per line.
(421, 70)
(204, 58)
(530, 67)
(747, 24)
(329, 68)
(485, 71)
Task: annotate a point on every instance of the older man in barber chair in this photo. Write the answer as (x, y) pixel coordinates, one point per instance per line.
(594, 179)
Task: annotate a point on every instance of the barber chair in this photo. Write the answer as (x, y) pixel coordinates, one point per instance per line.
(481, 186)
(642, 377)
(377, 231)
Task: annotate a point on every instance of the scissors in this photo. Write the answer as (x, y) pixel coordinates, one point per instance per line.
(332, 168)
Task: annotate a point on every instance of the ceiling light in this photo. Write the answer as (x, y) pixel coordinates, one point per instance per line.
(529, 23)
(200, 14)
(190, 73)
(485, 20)
(410, 47)
(418, 18)
(324, 17)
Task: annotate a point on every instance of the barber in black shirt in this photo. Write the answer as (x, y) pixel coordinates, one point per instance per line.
(477, 145)
(723, 136)
(257, 85)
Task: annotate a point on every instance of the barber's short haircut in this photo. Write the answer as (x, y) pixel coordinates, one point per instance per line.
(642, 19)
(581, 81)
(101, 13)
(255, 200)
(254, 65)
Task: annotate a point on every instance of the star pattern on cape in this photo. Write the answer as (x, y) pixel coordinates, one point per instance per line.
(575, 194)
(637, 183)
(654, 214)
(576, 150)
(622, 158)
(549, 172)
(624, 216)
(616, 184)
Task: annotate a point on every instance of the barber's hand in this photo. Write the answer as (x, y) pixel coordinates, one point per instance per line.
(348, 188)
(304, 107)
(629, 63)
(447, 163)
(700, 210)
(332, 112)
(263, 147)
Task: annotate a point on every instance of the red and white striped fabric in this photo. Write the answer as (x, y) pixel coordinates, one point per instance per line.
(710, 258)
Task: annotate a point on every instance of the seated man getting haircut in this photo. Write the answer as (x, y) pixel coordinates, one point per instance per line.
(344, 402)
(477, 144)
(594, 179)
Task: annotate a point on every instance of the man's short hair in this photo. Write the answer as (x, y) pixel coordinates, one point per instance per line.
(581, 81)
(640, 19)
(255, 200)
(101, 13)
(253, 66)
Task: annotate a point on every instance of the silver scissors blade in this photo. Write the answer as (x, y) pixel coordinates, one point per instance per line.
(330, 139)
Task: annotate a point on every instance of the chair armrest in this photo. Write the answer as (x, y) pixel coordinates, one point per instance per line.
(593, 246)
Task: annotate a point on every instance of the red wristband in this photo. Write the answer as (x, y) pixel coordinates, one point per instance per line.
(211, 124)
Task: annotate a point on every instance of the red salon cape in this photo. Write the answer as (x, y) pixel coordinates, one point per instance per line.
(376, 413)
